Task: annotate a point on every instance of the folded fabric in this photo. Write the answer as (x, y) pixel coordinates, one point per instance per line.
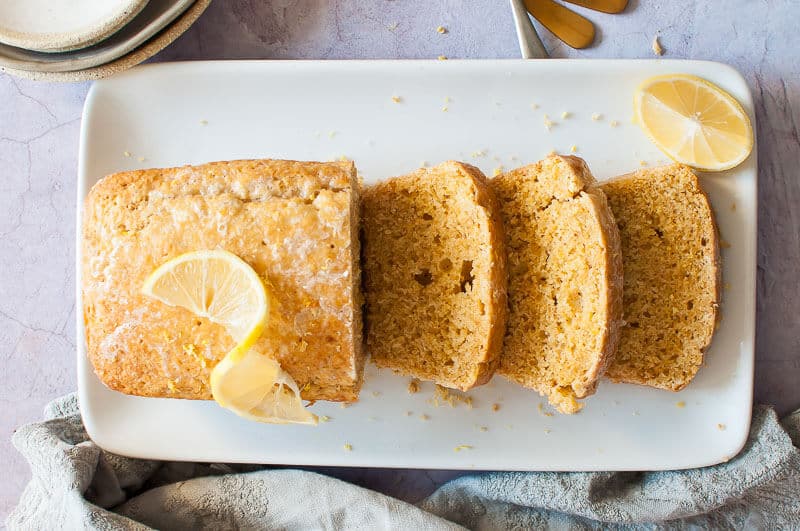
(77, 485)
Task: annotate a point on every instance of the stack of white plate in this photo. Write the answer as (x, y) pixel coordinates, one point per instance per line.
(88, 39)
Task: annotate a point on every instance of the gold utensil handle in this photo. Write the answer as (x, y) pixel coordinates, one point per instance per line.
(570, 27)
(604, 6)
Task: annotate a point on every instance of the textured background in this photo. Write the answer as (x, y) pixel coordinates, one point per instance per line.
(39, 125)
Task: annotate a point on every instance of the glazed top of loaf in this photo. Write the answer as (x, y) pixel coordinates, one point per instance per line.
(295, 223)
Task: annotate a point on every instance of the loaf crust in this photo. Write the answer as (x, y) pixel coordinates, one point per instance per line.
(565, 279)
(435, 275)
(295, 223)
(672, 275)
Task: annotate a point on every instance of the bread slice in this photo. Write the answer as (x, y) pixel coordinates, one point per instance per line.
(565, 279)
(435, 275)
(295, 223)
(672, 275)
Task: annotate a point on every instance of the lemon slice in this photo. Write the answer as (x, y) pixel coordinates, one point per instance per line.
(256, 388)
(222, 287)
(217, 285)
(694, 122)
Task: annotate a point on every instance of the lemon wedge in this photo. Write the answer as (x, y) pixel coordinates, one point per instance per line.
(256, 388)
(694, 122)
(223, 288)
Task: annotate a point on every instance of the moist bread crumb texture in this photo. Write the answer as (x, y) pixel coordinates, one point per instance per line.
(565, 279)
(672, 275)
(435, 275)
(295, 223)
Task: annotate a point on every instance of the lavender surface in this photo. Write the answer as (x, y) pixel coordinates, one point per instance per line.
(40, 123)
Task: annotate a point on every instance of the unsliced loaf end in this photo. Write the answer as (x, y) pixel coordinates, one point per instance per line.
(295, 223)
(565, 279)
(435, 275)
(672, 275)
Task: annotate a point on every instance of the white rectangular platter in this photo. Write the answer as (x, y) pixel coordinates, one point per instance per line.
(489, 113)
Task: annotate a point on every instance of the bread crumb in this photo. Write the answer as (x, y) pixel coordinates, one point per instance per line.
(541, 410)
(680, 404)
(397, 99)
(443, 58)
(413, 387)
(444, 109)
(497, 171)
(409, 413)
(325, 418)
(724, 244)
(331, 134)
(348, 447)
(573, 148)
(479, 153)
(495, 407)
(126, 153)
(733, 206)
(548, 123)
(657, 49)
(596, 117)
(425, 163)
(462, 447)
(203, 122)
(534, 106)
(376, 393)
(441, 30)
(344, 405)
(721, 427)
(726, 286)
(547, 430)
(565, 115)
(424, 417)
(642, 163)
(141, 159)
(484, 428)
(613, 123)
(392, 26)
(443, 395)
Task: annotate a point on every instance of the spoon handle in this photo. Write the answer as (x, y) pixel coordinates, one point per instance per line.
(529, 42)
(570, 27)
(604, 6)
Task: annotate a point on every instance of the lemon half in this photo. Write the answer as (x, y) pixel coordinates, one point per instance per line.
(222, 287)
(694, 122)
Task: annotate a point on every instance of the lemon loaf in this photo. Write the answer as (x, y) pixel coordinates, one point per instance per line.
(435, 275)
(671, 259)
(565, 279)
(295, 223)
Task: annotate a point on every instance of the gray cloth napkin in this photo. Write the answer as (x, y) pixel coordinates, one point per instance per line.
(76, 485)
